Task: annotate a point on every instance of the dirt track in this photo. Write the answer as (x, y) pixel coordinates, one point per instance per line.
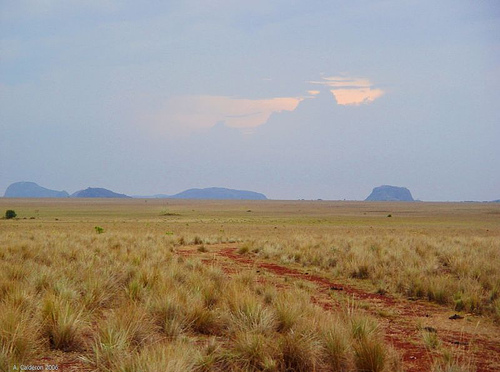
(477, 344)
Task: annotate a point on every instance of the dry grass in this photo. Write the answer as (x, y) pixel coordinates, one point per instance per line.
(126, 300)
(151, 305)
(460, 272)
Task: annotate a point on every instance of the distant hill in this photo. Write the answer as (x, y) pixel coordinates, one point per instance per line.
(390, 193)
(96, 192)
(219, 193)
(32, 190)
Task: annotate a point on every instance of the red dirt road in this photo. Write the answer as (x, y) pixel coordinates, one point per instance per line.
(401, 319)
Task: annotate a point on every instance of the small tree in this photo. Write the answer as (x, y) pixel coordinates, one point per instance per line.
(9, 213)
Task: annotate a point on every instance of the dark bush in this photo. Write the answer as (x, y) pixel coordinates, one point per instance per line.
(10, 214)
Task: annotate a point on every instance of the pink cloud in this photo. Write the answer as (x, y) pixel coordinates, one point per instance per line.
(350, 91)
(186, 114)
(356, 96)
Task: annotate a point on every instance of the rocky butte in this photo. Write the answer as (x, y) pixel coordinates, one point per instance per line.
(390, 193)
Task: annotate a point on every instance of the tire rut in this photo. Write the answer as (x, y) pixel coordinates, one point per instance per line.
(400, 330)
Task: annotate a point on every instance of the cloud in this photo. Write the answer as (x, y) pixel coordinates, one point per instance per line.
(356, 96)
(183, 115)
(350, 91)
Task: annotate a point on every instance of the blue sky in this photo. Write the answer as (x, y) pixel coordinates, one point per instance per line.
(293, 99)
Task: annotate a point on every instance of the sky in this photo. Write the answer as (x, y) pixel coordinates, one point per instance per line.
(294, 99)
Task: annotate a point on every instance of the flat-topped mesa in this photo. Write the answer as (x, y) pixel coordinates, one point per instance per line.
(390, 193)
(219, 193)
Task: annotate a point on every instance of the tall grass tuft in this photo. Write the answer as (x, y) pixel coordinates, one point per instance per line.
(289, 310)
(337, 346)
(62, 324)
(169, 314)
(253, 352)
(249, 315)
(301, 351)
(174, 357)
(120, 333)
(370, 355)
(19, 335)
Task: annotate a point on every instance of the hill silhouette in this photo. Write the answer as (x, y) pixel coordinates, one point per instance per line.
(219, 193)
(390, 193)
(97, 192)
(32, 190)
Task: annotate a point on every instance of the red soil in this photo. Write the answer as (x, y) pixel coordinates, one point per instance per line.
(401, 330)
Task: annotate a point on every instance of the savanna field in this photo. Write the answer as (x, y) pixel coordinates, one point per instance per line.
(178, 285)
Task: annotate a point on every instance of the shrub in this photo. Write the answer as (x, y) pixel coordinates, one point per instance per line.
(9, 213)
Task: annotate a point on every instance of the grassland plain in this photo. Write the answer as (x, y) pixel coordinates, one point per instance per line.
(172, 285)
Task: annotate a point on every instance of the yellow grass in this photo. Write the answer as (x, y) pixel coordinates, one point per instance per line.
(127, 299)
